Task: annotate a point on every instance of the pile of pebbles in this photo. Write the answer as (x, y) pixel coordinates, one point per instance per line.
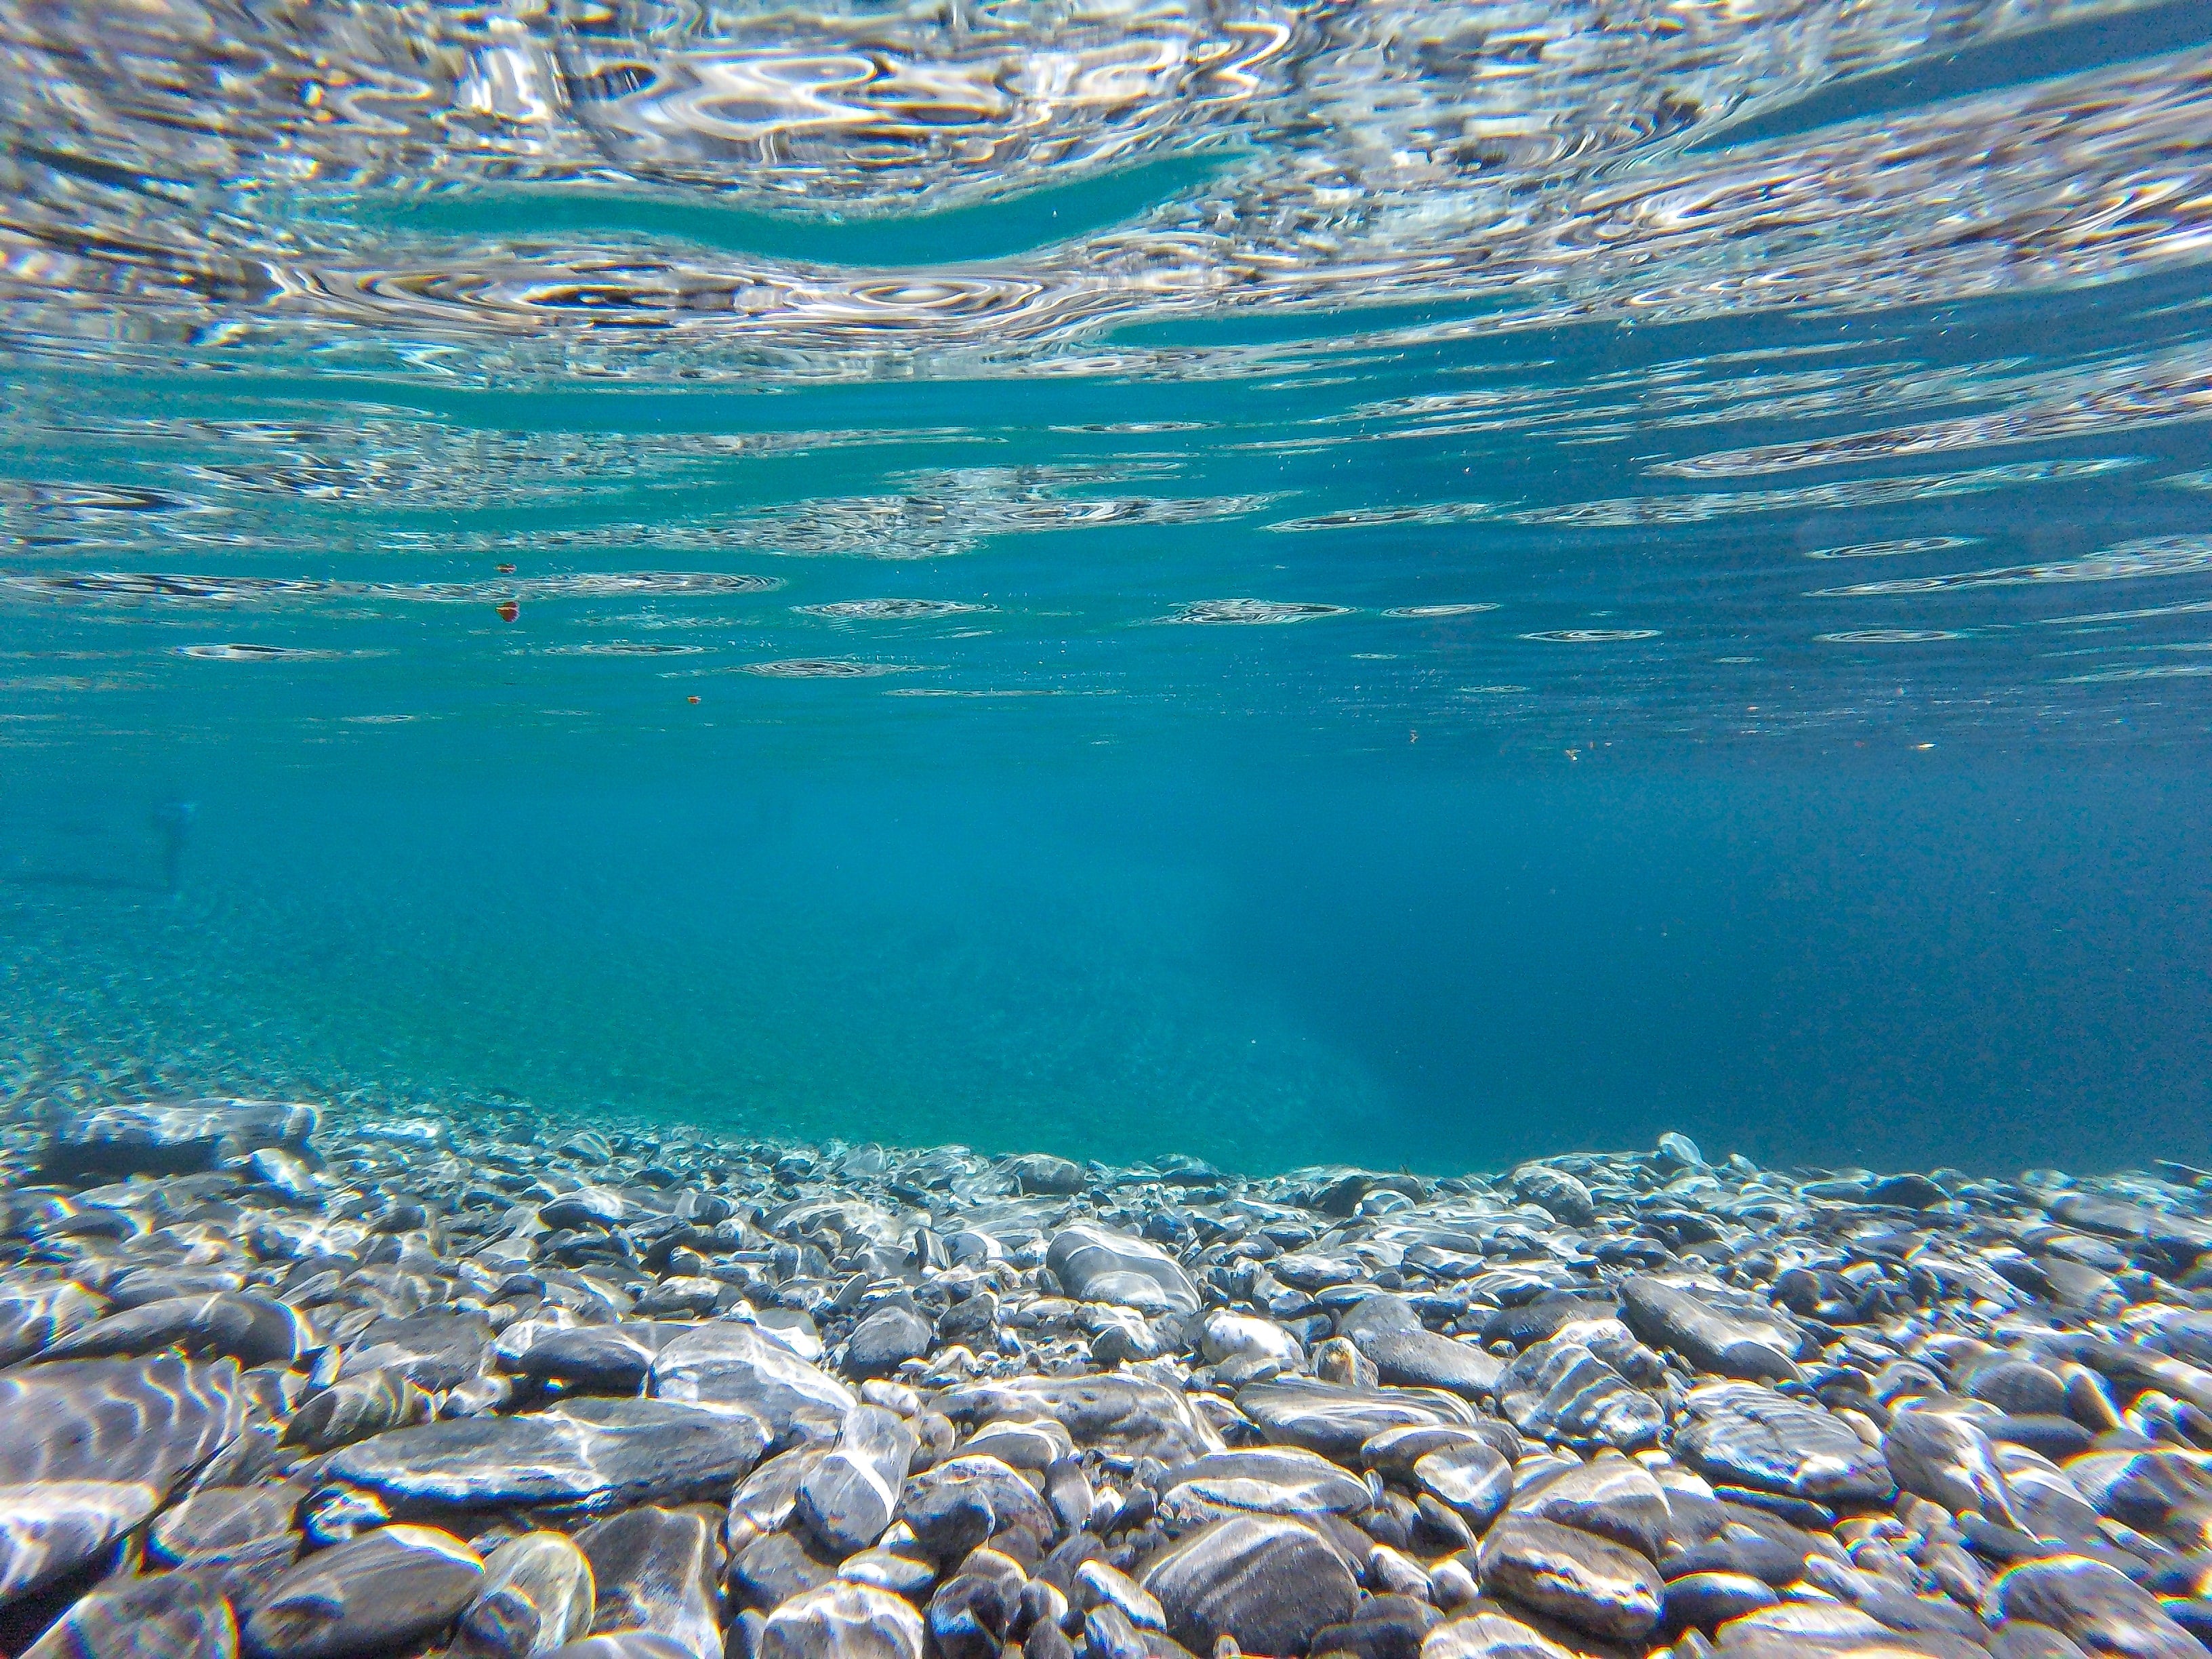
(306, 1384)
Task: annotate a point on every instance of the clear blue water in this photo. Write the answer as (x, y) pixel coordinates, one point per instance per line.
(1406, 584)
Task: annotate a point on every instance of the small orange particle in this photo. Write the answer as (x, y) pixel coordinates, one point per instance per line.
(691, 698)
(507, 610)
(505, 570)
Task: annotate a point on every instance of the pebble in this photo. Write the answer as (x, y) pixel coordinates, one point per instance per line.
(699, 1397)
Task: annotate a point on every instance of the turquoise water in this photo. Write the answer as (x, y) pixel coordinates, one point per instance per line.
(1414, 584)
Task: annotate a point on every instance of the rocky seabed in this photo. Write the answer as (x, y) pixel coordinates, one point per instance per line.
(297, 1383)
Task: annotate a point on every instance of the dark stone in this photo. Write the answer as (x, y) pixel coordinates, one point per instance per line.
(772, 1569)
(1267, 1582)
(655, 1570)
(886, 1339)
(1907, 1192)
(1041, 1172)
(250, 1329)
(1386, 1329)
(1745, 1340)
(380, 1590)
(958, 1503)
(1383, 1627)
(1591, 1582)
(581, 1455)
(1705, 1601)
(598, 1358)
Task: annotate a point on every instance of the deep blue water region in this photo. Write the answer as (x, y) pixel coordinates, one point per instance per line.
(1380, 959)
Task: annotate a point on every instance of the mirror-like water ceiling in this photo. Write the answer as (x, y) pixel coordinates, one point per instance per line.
(861, 831)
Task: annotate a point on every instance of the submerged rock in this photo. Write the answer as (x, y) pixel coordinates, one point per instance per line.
(375, 1592)
(537, 1593)
(173, 1139)
(90, 1448)
(583, 1455)
(1269, 1583)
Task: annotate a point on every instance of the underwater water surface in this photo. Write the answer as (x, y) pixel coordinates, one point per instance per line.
(1409, 584)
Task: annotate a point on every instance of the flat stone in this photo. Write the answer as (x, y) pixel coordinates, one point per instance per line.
(2094, 1605)
(1098, 1584)
(250, 1329)
(848, 1498)
(1557, 1390)
(1278, 1480)
(89, 1448)
(437, 1350)
(656, 1569)
(1114, 1414)
(174, 1138)
(356, 1408)
(1037, 1442)
(1731, 1336)
(1741, 1434)
(1336, 1422)
(1267, 1582)
(380, 1590)
(1590, 1583)
(1393, 1452)
(537, 1592)
(1614, 1498)
(581, 1455)
(1386, 1330)
(623, 1645)
(1094, 1264)
(727, 1365)
(840, 1620)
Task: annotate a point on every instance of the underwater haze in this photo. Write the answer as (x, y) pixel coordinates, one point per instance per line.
(1410, 583)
